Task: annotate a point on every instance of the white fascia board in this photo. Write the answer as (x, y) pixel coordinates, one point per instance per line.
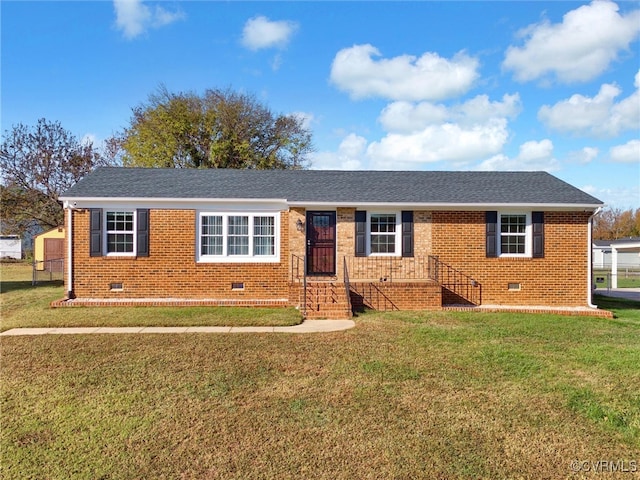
(452, 206)
(283, 204)
(177, 203)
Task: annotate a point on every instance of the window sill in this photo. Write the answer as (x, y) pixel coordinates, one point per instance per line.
(239, 260)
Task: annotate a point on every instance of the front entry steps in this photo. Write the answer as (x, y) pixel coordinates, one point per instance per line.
(327, 300)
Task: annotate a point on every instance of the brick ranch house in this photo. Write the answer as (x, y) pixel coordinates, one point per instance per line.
(329, 241)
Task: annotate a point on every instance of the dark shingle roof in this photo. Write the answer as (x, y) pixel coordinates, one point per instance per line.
(348, 187)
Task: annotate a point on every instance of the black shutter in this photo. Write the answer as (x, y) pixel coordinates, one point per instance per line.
(407, 233)
(537, 219)
(492, 233)
(361, 233)
(95, 232)
(142, 232)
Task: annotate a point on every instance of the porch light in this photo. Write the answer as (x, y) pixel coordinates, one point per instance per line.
(300, 225)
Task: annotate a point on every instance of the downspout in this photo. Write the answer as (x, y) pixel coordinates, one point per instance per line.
(590, 246)
(70, 293)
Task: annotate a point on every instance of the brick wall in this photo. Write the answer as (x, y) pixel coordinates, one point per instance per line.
(171, 270)
(396, 295)
(457, 238)
(558, 279)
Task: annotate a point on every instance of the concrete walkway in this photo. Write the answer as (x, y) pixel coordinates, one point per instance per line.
(629, 293)
(308, 326)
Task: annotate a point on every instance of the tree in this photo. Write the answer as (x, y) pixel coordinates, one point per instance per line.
(220, 129)
(38, 163)
(615, 223)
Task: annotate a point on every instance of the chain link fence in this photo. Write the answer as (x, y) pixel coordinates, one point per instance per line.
(48, 271)
(627, 277)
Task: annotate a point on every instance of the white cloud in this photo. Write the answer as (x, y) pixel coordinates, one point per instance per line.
(423, 133)
(617, 197)
(349, 156)
(479, 109)
(533, 156)
(406, 77)
(599, 115)
(578, 49)
(133, 17)
(307, 119)
(445, 142)
(627, 153)
(408, 117)
(584, 156)
(260, 32)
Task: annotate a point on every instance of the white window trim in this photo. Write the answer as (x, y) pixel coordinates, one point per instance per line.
(225, 257)
(528, 236)
(105, 232)
(398, 233)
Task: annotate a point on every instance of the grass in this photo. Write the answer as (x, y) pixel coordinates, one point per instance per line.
(403, 395)
(626, 279)
(24, 305)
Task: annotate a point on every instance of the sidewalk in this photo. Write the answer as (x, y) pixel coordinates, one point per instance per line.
(308, 326)
(629, 293)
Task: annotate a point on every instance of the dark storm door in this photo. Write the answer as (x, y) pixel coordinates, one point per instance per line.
(321, 243)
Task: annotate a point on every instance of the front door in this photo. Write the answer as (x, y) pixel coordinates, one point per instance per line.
(321, 243)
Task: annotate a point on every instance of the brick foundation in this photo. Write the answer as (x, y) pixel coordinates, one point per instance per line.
(396, 296)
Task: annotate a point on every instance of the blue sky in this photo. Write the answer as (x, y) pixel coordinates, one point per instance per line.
(478, 85)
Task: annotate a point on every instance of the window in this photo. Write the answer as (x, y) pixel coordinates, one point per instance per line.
(513, 234)
(264, 236)
(120, 229)
(238, 237)
(211, 235)
(383, 233)
(123, 232)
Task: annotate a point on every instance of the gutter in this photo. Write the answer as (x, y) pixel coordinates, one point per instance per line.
(70, 293)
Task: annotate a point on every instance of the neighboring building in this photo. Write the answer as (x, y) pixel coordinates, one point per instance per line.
(10, 247)
(616, 255)
(393, 240)
(48, 250)
(628, 253)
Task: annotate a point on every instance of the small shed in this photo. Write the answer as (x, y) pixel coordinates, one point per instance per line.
(10, 247)
(48, 249)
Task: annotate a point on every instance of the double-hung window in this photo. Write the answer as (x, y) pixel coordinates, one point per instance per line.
(211, 235)
(120, 232)
(264, 236)
(238, 237)
(380, 233)
(383, 227)
(384, 233)
(515, 234)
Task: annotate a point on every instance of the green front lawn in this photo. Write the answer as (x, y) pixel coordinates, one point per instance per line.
(402, 395)
(24, 305)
